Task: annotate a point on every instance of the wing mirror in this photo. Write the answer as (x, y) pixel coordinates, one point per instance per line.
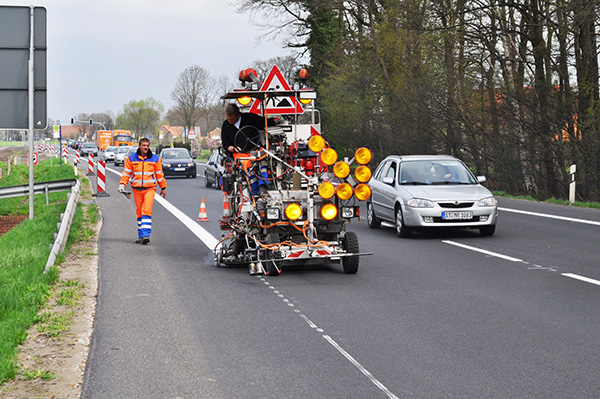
(388, 180)
(481, 179)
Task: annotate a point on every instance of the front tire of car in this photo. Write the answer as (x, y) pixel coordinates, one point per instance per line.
(206, 182)
(372, 220)
(401, 229)
(487, 230)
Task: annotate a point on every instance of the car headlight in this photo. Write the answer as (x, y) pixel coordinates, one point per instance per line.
(168, 165)
(419, 203)
(190, 164)
(489, 201)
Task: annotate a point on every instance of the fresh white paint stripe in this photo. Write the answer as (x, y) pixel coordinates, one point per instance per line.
(545, 215)
(204, 236)
(581, 278)
(360, 367)
(483, 251)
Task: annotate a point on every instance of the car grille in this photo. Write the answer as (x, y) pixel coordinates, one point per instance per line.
(455, 205)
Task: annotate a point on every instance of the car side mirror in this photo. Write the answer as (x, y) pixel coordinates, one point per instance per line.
(193, 157)
(211, 163)
(388, 180)
(481, 179)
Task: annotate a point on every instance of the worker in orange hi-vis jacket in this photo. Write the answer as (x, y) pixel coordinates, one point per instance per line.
(144, 170)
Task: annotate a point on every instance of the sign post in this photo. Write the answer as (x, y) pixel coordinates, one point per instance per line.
(23, 77)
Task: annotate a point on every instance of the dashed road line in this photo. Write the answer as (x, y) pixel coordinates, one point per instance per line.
(332, 342)
(511, 259)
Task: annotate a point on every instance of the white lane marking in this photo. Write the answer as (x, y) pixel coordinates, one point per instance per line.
(545, 215)
(581, 278)
(483, 251)
(204, 236)
(535, 267)
(360, 367)
(347, 355)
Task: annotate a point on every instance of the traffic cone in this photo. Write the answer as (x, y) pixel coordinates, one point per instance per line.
(226, 207)
(202, 217)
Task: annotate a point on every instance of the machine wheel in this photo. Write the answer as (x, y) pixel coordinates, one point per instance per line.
(487, 230)
(206, 182)
(271, 270)
(350, 242)
(372, 220)
(401, 228)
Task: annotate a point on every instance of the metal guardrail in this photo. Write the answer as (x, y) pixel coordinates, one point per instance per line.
(38, 188)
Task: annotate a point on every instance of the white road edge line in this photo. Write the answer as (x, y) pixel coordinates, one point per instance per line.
(204, 236)
(545, 215)
(360, 367)
(483, 251)
(581, 278)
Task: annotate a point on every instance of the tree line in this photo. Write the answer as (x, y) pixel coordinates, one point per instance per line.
(509, 86)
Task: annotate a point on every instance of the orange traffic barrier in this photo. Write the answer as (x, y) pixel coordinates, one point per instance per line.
(226, 207)
(202, 216)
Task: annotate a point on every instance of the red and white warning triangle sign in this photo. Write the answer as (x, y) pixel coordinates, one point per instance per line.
(277, 105)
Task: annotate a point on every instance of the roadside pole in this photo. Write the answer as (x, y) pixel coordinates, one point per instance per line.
(572, 185)
(31, 116)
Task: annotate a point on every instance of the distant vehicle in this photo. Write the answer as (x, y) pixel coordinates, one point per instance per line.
(214, 170)
(178, 162)
(109, 153)
(120, 155)
(122, 138)
(425, 191)
(118, 138)
(88, 148)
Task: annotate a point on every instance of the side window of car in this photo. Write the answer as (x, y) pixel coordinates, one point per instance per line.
(379, 172)
(391, 172)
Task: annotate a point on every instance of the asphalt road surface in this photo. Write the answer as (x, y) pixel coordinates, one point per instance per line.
(447, 314)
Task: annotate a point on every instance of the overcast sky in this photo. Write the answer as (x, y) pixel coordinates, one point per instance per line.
(104, 53)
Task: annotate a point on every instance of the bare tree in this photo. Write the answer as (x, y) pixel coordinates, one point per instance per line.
(194, 92)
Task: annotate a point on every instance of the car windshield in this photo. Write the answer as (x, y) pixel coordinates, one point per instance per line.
(89, 145)
(435, 172)
(110, 149)
(175, 154)
(122, 150)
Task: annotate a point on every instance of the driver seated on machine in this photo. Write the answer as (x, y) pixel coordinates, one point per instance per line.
(240, 134)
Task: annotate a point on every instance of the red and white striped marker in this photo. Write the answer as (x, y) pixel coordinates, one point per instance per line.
(101, 192)
(76, 157)
(66, 153)
(90, 164)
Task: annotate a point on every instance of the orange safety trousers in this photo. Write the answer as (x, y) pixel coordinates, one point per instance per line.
(144, 199)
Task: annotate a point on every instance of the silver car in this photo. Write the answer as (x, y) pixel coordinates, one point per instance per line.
(120, 155)
(420, 191)
(109, 153)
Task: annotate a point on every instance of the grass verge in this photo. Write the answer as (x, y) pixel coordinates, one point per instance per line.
(24, 251)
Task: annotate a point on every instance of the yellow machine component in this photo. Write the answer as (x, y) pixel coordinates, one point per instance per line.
(293, 211)
(326, 190)
(341, 170)
(362, 192)
(329, 211)
(362, 174)
(363, 156)
(344, 191)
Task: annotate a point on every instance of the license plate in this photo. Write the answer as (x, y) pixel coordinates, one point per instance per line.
(457, 215)
(179, 169)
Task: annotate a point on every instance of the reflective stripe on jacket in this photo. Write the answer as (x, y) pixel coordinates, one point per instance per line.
(144, 172)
